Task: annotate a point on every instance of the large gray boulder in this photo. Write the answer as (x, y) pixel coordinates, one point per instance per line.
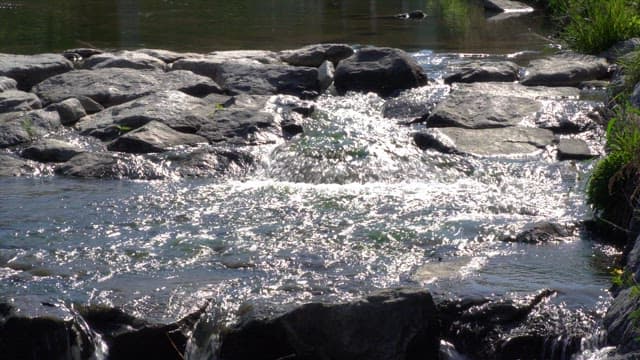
(170, 107)
(7, 83)
(113, 86)
(124, 59)
(484, 71)
(384, 71)
(11, 165)
(153, 137)
(485, 142)
(21, 127)
(238, 126)
(16, 100)
(51, 150)
(110, 166)
(567, 69)
(70, 110)
(29, 70)
(391, 325)
(315, 55)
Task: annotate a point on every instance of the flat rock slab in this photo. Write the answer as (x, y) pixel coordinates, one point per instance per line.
(574, 149)
(171, 108)
(51, 150)
(21, 127)
(485, 142)
(124, 59)
(315, 55)
(112, 86)
(506, 6)
(110, 166)
(29, 70)
(384, 71)
(16, 100)
(14, 166)
(153, 137)
(7, 83)
(566, 69)
(239, 126)
(485, 71)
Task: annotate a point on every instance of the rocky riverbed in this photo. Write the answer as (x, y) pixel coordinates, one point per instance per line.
(159, 115)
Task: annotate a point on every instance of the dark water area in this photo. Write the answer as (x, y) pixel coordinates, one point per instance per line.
(32, 26)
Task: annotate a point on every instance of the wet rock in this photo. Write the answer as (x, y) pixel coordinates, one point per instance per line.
(506, 6)
(110, 166)
(541, 233)
(291, 124)
(246, 101)
(7, 83)
(29, 70)
(154, 136)
(326, 73)
(14, 166)
(20, 127)
(16, 100)
(574, 149)
(171, 108)
(34, 331)
(414, 104)
(238, 126)
(519, 90)
(124, 59)
(89, 105)
(475, 110)
(51, 150)
(210, 162)
(485, 142)
(566, 69)
(113, 86)
(485, 71)
(567, 117)
(384, 71)
(315, 55)
(396, 324)
(259, 79)
(70, 110)
(622, 329)
(621, 49)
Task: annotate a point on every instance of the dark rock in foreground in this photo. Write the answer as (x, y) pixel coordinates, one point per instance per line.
(384, 71)
(29, 70)
(51, 150)
(485, 72)
(566, 69)
(391, 325)
(153, 137)
(110, 166)
(315, 55)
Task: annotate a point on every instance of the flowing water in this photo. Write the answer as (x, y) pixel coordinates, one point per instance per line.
(350, 207)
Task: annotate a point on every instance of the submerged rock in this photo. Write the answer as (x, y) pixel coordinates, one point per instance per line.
(315, 55)
(397, 324)
(110, 166)
(384, 71)
(238, 126)
(414, 104)
(14, 166)
(16, 100)
(567, 69)
(485, 72)
(210, 162)
(541, 233)
(506, 6)
(154, 136)
(124, 59)
(574, 149)
(51, 150)
(485, 142)
(29, 70)
(20, 127)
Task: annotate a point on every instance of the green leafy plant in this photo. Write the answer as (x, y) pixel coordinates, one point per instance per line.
(630, 65)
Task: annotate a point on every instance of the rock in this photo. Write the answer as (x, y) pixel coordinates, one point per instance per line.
(485, 142)
(541, 232)
(567, 117)
(89, 105)
(211, 162)
(238, 126)
(621, 49)
(485, 71)
(124, 59)
(574, 149)
(112, 86)
(154, 136)
(414, 104)
(35, 331)
(83, 53)
(70, 110)
(165, 55)
(291, 124)
(620, 322)
(326, 72)
(7, 83)
(246, 101)
(315, 55)
(384, 71)
(29, 70)
(253, 56)
(16, 100)
(13, 166)
(475, 110)
(567, 69)
(110, 166)
(518, 90)
(259, 79)
(392, 325)
(20, 127)
(51, 150)
(506, 6)
(172, 108)
(635, 96)
(414, 15)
